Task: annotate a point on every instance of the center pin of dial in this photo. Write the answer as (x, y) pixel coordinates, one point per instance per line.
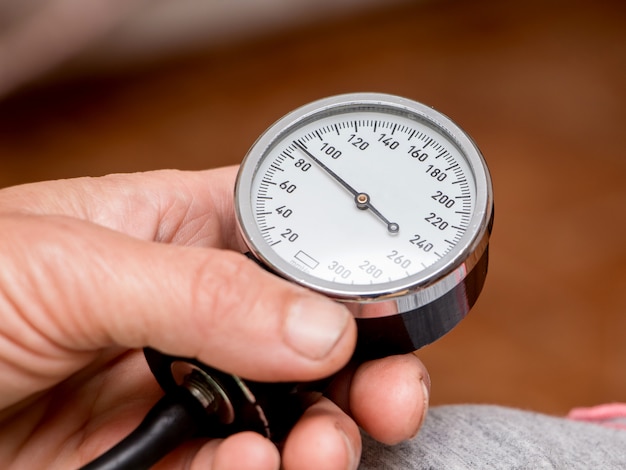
(362, 201)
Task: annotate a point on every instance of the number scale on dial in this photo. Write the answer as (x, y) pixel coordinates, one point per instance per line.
(362, 200)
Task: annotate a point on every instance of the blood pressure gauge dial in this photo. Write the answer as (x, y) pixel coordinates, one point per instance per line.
(373, 200)
(376, 201)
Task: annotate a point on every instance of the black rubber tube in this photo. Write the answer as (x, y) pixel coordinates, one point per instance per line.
(173, 420)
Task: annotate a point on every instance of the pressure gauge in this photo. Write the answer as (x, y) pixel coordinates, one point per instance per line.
(376, 201)
(373, 200)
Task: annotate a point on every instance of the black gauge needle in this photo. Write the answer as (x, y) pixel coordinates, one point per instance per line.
(362, 200)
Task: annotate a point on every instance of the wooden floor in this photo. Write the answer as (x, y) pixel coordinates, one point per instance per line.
(540, 85)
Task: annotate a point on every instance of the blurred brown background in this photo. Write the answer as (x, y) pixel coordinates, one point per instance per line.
(540, 85)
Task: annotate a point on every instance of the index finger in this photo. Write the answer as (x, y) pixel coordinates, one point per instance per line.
(180, 207)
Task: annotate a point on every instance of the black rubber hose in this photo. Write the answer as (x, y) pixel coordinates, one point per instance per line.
(173, 420)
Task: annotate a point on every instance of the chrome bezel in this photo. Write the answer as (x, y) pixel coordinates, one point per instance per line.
(415, 290)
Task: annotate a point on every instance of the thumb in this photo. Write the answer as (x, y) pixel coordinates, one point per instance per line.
(74, 287)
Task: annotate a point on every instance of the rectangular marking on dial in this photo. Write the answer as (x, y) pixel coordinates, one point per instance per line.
(307, 260)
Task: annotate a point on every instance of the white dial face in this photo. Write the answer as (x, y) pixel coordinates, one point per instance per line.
(361, 195)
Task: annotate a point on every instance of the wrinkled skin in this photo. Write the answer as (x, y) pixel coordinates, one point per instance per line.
(94, 269)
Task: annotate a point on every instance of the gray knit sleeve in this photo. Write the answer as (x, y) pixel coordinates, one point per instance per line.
(462, 437)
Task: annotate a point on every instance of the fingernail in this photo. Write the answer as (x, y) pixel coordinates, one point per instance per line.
(353, 455)
(425, 383)
(314, 326)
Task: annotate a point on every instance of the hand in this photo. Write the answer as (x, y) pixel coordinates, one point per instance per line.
(93, 269)
(362, 200)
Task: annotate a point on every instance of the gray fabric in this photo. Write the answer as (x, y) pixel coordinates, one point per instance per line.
(464, 437)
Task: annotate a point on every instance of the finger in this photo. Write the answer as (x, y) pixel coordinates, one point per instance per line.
(387, 397)
(247, 450)
(325, 437)
(186, 208)
(82, 288)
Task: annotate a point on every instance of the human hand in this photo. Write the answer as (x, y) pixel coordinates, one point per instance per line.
(94, 269)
